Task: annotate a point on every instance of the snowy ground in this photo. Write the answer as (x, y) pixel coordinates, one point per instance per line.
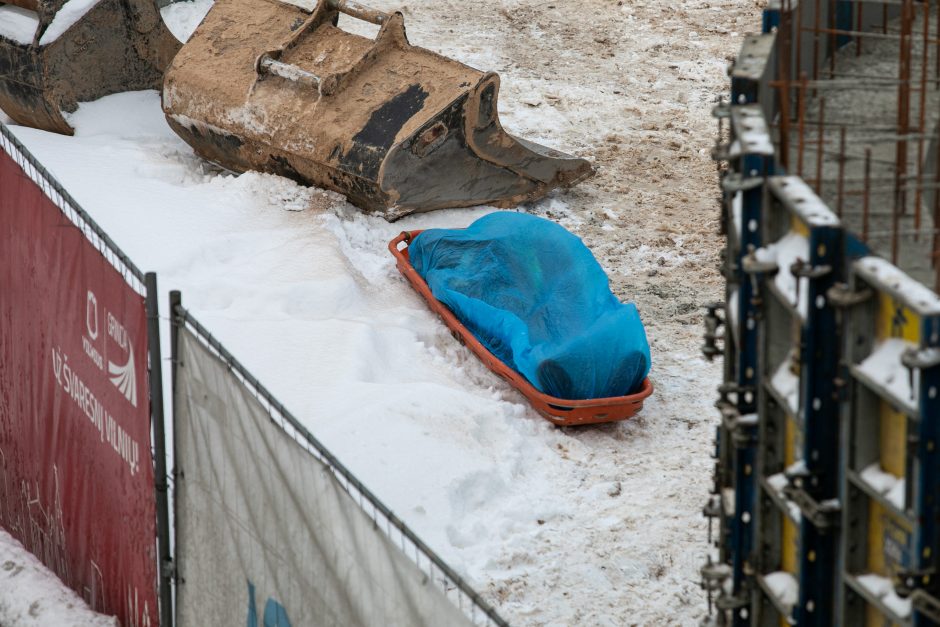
(594, 526)
(32, 596)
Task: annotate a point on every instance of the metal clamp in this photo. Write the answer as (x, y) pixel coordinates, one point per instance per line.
(920, 358)
(713, 322)
(802, 269)
(722, 110)
(750, 265)
(926, 604)
(823, 515)
(740, 428)
(840, 295)
(737, 182)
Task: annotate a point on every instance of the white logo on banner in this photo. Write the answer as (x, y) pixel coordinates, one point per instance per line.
(91, 315)
(123, 376)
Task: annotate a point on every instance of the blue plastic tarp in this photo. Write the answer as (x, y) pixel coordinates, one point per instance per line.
(534, 295)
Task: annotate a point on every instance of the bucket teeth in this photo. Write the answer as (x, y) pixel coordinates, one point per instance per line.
(117, 45)
(278, 87)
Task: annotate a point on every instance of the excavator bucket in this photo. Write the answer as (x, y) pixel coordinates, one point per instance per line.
(57, 53)
(277, 86)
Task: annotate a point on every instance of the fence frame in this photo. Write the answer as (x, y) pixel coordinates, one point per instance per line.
(444, 577)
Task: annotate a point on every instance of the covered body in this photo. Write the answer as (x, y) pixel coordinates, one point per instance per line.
(278, 87)
(535, 297)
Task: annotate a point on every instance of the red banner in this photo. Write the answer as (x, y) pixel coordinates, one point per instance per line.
(76, 472)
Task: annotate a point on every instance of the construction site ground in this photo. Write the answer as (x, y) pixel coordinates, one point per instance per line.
(591, 526)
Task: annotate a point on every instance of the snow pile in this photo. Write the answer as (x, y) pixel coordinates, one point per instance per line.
(784, 587)
(785, 252)
(182, 18)
(883, 590)
(877, 479)
(885, 483)
(777, 483)
(18, 24)
(733, 304)
(737, 213)
(787, 384)
(913, 292)
(70, 13)
(32, 596)
(883, 367)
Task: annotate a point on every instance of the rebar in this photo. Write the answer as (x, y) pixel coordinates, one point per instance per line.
(866, 202)
(840, 193)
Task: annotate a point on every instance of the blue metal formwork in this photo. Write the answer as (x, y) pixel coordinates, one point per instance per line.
(799, 263)
(923, 583)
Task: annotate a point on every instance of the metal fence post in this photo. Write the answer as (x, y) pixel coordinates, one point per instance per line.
(159, 442)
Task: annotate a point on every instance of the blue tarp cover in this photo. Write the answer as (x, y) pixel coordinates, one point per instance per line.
(534, 295)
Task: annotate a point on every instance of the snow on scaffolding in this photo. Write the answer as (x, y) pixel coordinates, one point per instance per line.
(787, 384)
(785, 252)
(885, 483)
(884, 368)
(914, 293)
(882, 589)
(784, 587)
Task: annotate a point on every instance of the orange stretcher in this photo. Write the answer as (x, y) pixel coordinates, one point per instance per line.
(557, 410)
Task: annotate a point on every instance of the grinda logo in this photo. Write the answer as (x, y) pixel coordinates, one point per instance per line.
(123, 376)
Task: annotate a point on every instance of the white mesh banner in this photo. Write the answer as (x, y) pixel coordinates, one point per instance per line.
(266, 535)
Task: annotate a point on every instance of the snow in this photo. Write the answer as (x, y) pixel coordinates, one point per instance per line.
(882, 589)
(737, 213)
(787, 385)
(875, 584)
(733, 299)
(920, 298)
(877, 479)
(891, 487)
(785, 252)
(182, 18)
(751, 130)
(32, 596)
(311, 302)
(896, 495)
(18, 24)
(884, 368)
(66, 17)
(803, 201)
(900, 607)
(777, 483)
(784, 587)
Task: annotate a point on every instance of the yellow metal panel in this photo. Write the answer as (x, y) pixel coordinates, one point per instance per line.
(887, 535)
(893, 440)
(888, 538)
(797, 226)
(895, 320)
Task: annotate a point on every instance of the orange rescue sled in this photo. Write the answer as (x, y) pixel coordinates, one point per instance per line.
(557, 410)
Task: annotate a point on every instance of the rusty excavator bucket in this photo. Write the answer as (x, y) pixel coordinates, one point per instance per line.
(57, 53)
(276, 86)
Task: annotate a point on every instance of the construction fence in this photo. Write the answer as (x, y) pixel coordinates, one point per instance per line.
(825, 508)
(270, 528)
